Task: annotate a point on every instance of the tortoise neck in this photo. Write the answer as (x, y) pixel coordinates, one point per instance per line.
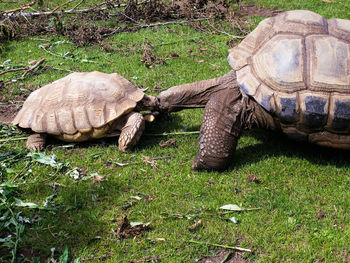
(196, 94)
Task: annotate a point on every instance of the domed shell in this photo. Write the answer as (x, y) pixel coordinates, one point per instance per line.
(79, 106)
(297, 66)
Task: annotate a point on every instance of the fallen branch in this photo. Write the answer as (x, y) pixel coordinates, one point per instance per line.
(70, 11)
(127, 29)
(171, 133)
(218, 245)
(37, 64)
(13, 70)
(14, 139)
(175, 22)
(225, 33)
(60, 6)
(78, 4)
(18, 8)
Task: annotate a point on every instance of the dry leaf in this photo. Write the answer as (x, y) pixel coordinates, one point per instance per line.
(320, 213)
(150, 161)
(201, 61)
(97, 178)
(195, 225)
(167, 143)
(252, 178)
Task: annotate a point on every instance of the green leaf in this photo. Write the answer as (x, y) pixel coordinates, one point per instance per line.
(41, 157)
(237, 208)
(8, 184)
(64, 256)
(20, 203)
(231, 207)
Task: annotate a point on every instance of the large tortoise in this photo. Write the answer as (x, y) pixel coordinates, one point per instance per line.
(291, 73)
(84, 106)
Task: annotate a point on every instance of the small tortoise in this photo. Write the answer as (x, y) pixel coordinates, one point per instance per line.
(292, 73)
(84, 106)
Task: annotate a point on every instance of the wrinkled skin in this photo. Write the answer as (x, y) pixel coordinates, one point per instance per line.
(228, 112)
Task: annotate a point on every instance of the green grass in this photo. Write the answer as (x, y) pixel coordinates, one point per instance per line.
(297, 180)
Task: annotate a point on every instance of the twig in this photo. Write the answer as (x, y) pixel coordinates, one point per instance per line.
(18, 8)
(225, 33)
(175, 22)
(154, 25)
(60, 6)
(37, 64)
(71, 11)
(131, 19)
(14, 139)
(171, 133)
(54, 54)
(13, 70)
(218, 245)
(78, 4)
(61, 69)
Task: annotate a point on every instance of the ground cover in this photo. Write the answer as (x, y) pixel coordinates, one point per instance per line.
(70, 202)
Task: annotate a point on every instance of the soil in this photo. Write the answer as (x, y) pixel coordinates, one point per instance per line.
(254, 10)
(8, 112)
(125, 230)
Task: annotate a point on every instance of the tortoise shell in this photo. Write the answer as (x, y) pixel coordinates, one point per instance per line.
(297, 66)
(78, 107)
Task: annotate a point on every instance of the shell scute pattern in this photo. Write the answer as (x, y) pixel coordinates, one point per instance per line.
(79, 106)
(297, 66)
(288, 106)
(339, 28)
(329, 64)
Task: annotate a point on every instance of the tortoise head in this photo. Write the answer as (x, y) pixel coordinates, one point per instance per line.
(148, 102)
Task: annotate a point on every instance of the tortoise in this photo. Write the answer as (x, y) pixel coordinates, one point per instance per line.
(292, 73)
(84, 106)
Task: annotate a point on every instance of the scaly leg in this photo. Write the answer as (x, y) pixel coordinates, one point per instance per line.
(131, 131)
(227, 114)
(220, 131)
(36, 141)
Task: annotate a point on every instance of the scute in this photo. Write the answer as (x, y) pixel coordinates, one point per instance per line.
(79, 105)
(279, 63)
(329, 60)
(339, 28)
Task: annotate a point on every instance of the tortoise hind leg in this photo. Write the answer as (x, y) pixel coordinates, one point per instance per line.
(36, 141)
(131, 131)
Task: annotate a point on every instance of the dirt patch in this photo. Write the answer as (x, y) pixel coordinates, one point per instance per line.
(126, 230)
(255, 10)
(226, 256)
(7, 112)
(85, 34)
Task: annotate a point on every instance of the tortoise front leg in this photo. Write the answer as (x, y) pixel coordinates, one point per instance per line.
(36, 141)
(131, 132)
(226, 115)
(220, 130)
